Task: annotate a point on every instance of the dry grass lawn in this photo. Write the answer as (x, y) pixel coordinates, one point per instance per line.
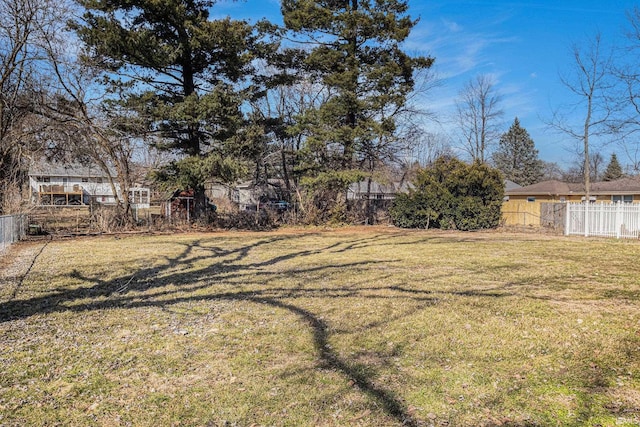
(356, 326)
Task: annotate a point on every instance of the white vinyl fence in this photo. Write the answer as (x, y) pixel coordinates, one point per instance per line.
(12, 229)
(619, 220)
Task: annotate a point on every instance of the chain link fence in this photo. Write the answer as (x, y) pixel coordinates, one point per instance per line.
(12, 229)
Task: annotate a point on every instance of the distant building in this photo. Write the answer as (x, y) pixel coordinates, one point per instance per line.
(251, 196)
(377, 191)
(59, 184)
(544, 203)
(181, 205)
(621, 190)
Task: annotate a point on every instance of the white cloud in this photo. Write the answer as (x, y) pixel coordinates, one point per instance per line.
(458, 49)
(452, 26)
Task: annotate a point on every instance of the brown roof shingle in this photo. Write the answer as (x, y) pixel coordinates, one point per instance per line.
(552, 188)
(558, 188)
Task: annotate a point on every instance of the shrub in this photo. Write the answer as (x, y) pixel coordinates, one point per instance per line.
(409, 212)
(451, 194)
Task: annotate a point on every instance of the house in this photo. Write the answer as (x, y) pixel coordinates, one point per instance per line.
(218, 190)
(524, 205)
(181, 205)
(510, 185)
(251, 196)
(622, 190)
(376, 191)
(64, 184)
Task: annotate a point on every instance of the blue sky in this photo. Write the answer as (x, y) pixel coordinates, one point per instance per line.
(524, 46)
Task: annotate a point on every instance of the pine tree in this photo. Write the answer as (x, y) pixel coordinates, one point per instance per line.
(614, 170)
(357, 57)
(517, 157)
(174, 72)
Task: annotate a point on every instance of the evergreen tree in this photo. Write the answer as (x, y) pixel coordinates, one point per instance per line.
(614, 170)
(517, 157)
(451, 194)
(174, 72)
(357, 56)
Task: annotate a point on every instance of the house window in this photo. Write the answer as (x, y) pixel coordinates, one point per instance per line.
(99, 180)
(139, 196)
(85, 179)
(627, 198)
(531, 199)
(379, 196)
(44, 179)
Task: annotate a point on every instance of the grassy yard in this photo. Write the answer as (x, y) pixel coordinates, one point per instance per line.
(370, 327)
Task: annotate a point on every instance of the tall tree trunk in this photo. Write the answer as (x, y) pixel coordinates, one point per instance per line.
(368, 212)
(193, 145)
(587, 166)
(352, 113)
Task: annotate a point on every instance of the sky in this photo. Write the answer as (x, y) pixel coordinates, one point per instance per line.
(523, 46)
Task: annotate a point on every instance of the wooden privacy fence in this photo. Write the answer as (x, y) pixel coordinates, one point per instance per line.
(522, 213)
(12, 229)
(619, 220)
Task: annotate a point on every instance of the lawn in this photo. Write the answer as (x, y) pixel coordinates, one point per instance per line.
(355, 326)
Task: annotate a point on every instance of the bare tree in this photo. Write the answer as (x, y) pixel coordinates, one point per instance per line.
(24, 74)
(478, 114)
(596, 165)
(592, 85)
(281, 133)
(89, 126)
(575, 172)
(50, 103)
(627, 124)
(428, 147)
(552, 171)
(631, 148)
(281, 148)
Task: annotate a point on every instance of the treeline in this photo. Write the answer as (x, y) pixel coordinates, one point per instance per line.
(323, 101)
(319, 103)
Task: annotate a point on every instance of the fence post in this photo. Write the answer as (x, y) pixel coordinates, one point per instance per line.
(586, 218)
(618, 222)
(12, 229)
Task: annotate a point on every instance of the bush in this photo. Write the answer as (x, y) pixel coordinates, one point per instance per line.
(451, 194)
(248, 220)
(409, 212)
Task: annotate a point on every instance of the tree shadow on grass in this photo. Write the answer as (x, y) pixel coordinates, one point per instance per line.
(168, 285)
(202, 272)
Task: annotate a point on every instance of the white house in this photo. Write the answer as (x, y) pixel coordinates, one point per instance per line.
(58, 184)
(250, 196)
(377, 191)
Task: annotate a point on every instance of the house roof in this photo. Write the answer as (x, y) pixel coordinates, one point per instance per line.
(67, 169)
(510, 185)
(378, 188)
(271, 182)
(629, 185)
(559, 188)
(551, 188)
